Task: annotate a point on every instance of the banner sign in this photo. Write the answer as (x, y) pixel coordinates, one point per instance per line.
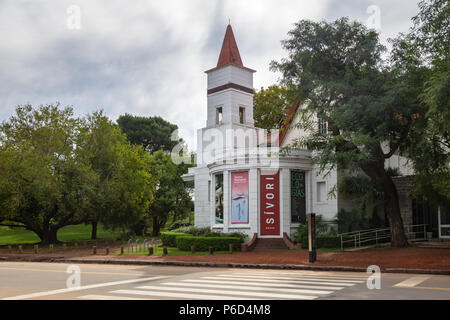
(298, 199)
(270, 203)
(239, 197)
(219, 199)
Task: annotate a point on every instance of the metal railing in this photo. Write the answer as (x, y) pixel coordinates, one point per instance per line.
(376, 236)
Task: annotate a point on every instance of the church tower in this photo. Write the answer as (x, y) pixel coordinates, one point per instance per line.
(230, 88)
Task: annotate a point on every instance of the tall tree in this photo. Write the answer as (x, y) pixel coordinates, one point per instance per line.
(269, 106)
(339, 74)
(426, 46)
(172, 196)
(43, 184)
(123, 187)
(153, 133)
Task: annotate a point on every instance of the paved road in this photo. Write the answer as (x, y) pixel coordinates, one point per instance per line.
(112, 282)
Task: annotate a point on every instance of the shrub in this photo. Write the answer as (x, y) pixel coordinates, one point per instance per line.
(184, 243)
(322, 229)
(168, 238)
(207, 232)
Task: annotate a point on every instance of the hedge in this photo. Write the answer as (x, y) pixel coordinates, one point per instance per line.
(168, 238)
(184, 243)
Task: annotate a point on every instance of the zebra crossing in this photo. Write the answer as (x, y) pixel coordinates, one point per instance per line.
(240, 285)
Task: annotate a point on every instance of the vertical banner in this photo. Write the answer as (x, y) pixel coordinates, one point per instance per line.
(298, 199)
(239, 197)
(219, 199)
(270, 203)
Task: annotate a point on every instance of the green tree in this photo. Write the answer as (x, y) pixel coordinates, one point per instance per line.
(43, 185)
(171, 195)
(269, 106)
(426, 46)
(123, 186)
(153, 133)
(339, 74)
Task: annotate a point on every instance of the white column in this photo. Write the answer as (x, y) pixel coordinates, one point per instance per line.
(253, 218)
(226, 199)
(285, 202)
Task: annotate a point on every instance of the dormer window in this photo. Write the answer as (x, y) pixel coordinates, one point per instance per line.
(219, 115)
(241, 115)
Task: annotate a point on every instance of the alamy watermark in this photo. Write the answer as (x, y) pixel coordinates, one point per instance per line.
(374, 281)
(220, 145)
(73, 21)
(374, 19)
(74, 280)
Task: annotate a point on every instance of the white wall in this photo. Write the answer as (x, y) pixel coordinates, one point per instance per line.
(230, 73)
(230, 99)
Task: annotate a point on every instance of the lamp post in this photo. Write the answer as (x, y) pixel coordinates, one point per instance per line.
(312, 237)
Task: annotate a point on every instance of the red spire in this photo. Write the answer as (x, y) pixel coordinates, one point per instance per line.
(230, 52)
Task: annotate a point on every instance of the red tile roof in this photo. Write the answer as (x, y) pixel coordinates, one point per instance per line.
(287, 120)
(230, 52)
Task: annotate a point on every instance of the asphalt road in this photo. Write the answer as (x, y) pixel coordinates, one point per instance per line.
(57, 281)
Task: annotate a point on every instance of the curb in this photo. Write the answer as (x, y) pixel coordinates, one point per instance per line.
(231, 265)
(248, 266)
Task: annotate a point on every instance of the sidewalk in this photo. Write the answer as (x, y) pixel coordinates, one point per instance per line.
(412, 260)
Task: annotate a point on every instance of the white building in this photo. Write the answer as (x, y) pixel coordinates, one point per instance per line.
(241, 181)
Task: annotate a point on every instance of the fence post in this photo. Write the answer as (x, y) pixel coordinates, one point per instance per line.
(359, 236)
(376, 237)
(342, 244)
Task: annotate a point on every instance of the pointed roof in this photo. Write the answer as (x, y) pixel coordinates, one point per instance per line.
(287, 120)
(230, 52)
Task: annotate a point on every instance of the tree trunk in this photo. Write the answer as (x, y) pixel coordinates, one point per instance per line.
(156, 227)
(379, 175)
(48, 236)
(398, 238)
(94, 230)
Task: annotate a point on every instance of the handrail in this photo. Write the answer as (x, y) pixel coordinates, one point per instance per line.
(379, 234)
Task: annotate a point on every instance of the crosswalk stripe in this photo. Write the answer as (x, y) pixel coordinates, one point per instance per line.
(292, 278)
(282, 281)
(349, 277)
(252, 283)
(412, 282)
(92, 286)
(102, 297)
(233, 292)
(178, 295)
(248, 288)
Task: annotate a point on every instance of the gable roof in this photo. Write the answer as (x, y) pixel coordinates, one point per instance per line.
(287, 121)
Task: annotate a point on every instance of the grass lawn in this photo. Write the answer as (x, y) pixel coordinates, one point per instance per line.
(170, 251)
(67, 234)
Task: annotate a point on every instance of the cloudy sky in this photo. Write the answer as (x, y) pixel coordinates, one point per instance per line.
(147, 57)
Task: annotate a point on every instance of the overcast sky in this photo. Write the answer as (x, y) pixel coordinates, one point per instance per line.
(148, 57)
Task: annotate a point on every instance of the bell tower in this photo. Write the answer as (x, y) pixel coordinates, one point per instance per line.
(230, 88)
